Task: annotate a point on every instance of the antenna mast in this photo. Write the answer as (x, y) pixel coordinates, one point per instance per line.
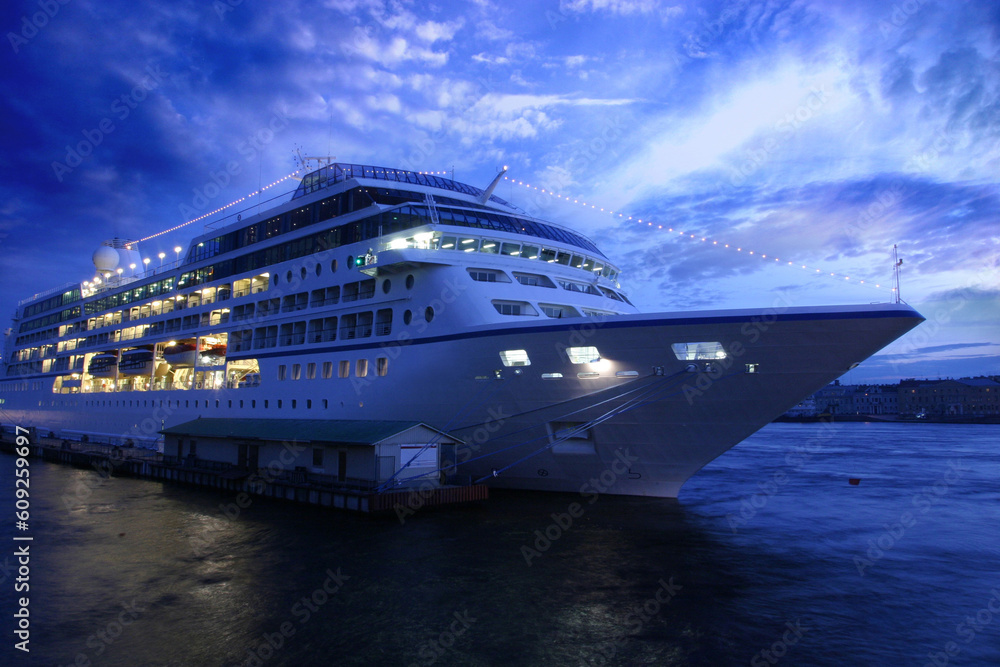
(896, 263)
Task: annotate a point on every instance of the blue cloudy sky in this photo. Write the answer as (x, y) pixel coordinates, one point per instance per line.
(818, 133)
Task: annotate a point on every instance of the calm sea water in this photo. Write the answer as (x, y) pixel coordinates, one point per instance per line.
(770, 556)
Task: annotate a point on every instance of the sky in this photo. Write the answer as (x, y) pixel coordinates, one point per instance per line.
(818, 133)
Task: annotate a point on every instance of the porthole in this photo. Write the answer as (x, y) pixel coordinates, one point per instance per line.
(288, 276)
(386, 286)
(302, 272)
(409, 281)
(407, 317)
(333, 266)
(274, 278)
(350, 262)
(319, 269)
(429, 313)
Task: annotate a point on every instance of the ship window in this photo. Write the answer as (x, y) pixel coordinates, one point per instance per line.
(293, 404)
(551, 376)
(468, 244)
(296, 371)
(407, 317)
(282, 370)
(333, 266)
(448, 242)
(533, 280)
(510, 249)
(515, 308)
(409, 281)
(489, 246)
(309, 404)
(361, 370)
(428, 313)
(583, 355)
(515, 358)
(382, 366)
(755, 368)
(696, 351)
(344, 370)
(279, 403)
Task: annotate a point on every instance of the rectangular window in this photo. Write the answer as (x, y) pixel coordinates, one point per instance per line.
(382, 366)
(698, 351)
(327, 370)
(296, 371)
(362, 368)
(317, 458)
(345, 369)
(583, 355)
(282, 371)
(515, 358)
(311, 371)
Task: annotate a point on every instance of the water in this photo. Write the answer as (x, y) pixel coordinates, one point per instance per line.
(770, 548)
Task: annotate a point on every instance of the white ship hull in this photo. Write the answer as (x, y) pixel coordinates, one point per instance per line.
(648, 420)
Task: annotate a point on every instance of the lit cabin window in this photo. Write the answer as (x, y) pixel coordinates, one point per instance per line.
(583, 355)
(696, 351)
(515, 358)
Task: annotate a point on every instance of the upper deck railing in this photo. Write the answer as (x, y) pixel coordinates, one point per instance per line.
(338, 172)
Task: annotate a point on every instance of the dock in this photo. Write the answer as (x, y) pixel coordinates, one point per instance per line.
(298, 487)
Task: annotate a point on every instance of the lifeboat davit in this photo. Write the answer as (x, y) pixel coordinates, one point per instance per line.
(180, 355)
(136, 362)
(103, 365)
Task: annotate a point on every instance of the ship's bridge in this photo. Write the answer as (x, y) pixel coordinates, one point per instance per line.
(338, 172)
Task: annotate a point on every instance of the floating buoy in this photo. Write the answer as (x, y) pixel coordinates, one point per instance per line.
(854, 481)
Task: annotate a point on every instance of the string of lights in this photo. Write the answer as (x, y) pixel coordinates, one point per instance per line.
(695, 237)
(218, 210)
(241, 199)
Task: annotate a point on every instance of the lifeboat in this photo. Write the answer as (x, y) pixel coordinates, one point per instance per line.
(180, 355)
(103, 365)
(136, 362)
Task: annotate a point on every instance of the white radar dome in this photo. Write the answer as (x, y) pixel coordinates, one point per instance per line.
(106, 259)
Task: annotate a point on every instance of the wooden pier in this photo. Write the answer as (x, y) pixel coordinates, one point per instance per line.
(110, 460)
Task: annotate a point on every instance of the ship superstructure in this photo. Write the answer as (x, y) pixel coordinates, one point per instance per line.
(384, 294)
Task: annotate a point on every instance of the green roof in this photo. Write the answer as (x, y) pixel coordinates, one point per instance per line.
(342, 431)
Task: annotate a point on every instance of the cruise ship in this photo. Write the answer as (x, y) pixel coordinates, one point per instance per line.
(374, 294)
